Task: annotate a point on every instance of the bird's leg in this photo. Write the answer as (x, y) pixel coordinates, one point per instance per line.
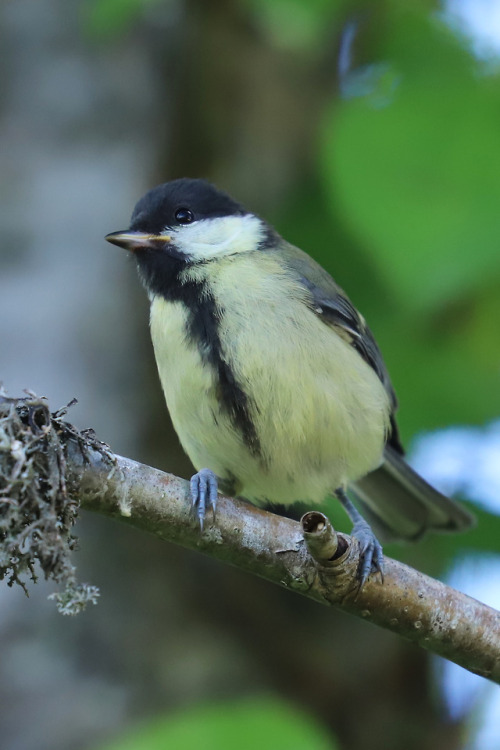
(371, 555)
(203, 488)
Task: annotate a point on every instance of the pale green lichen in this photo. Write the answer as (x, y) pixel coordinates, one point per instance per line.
(36, 513)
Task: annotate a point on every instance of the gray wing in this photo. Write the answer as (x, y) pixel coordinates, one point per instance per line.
(396, 500)
(331, 303)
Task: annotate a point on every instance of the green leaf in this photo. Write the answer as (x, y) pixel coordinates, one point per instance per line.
(246, 724)
(419, 179)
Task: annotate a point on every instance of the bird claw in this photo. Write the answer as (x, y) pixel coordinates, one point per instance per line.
(203, 489)
(371, 556)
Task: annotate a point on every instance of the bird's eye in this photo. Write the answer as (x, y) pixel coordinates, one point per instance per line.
(184, 216)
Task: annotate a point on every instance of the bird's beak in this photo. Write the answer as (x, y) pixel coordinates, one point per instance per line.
(137, 240)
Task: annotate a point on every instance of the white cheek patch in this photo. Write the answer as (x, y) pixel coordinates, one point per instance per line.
(224, 235)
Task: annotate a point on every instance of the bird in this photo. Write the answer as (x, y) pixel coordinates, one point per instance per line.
(273, 380)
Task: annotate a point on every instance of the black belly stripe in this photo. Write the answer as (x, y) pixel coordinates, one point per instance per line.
(162, 274)
(203, 328)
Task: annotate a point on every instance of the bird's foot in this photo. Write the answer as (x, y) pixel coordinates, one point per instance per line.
(371, 556)
(203, 487)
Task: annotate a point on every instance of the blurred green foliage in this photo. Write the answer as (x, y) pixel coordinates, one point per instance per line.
(297, 24)
(247, 724)
(112, 18)
(419, 179)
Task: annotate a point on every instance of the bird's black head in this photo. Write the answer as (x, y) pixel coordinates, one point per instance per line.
(186, 222)
(181, 202)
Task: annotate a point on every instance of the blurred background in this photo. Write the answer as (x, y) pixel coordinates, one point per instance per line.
(368, 133)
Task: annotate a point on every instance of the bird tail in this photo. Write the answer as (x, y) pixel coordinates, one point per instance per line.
(399, 504)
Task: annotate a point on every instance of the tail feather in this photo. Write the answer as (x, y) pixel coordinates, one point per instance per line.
(399, 504)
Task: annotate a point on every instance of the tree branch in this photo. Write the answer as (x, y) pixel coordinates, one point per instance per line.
(308, 557)
(278, 549)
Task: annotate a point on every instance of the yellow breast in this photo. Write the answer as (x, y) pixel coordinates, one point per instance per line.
(319, 410)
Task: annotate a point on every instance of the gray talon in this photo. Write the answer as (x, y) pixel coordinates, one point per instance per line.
(203, 487)
(371, 555)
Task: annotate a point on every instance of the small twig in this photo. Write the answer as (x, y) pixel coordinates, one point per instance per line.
(321, 538)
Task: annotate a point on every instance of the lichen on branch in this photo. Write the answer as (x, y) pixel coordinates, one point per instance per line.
(36, 514)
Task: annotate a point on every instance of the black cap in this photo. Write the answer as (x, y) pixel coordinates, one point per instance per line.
(158, 208)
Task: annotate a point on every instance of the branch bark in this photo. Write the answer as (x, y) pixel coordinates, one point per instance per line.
(308, 558)
(47, 467)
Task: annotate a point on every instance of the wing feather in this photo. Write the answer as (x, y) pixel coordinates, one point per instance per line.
(333, 306)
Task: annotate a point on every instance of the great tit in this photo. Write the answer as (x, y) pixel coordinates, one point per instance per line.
(274, 382)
